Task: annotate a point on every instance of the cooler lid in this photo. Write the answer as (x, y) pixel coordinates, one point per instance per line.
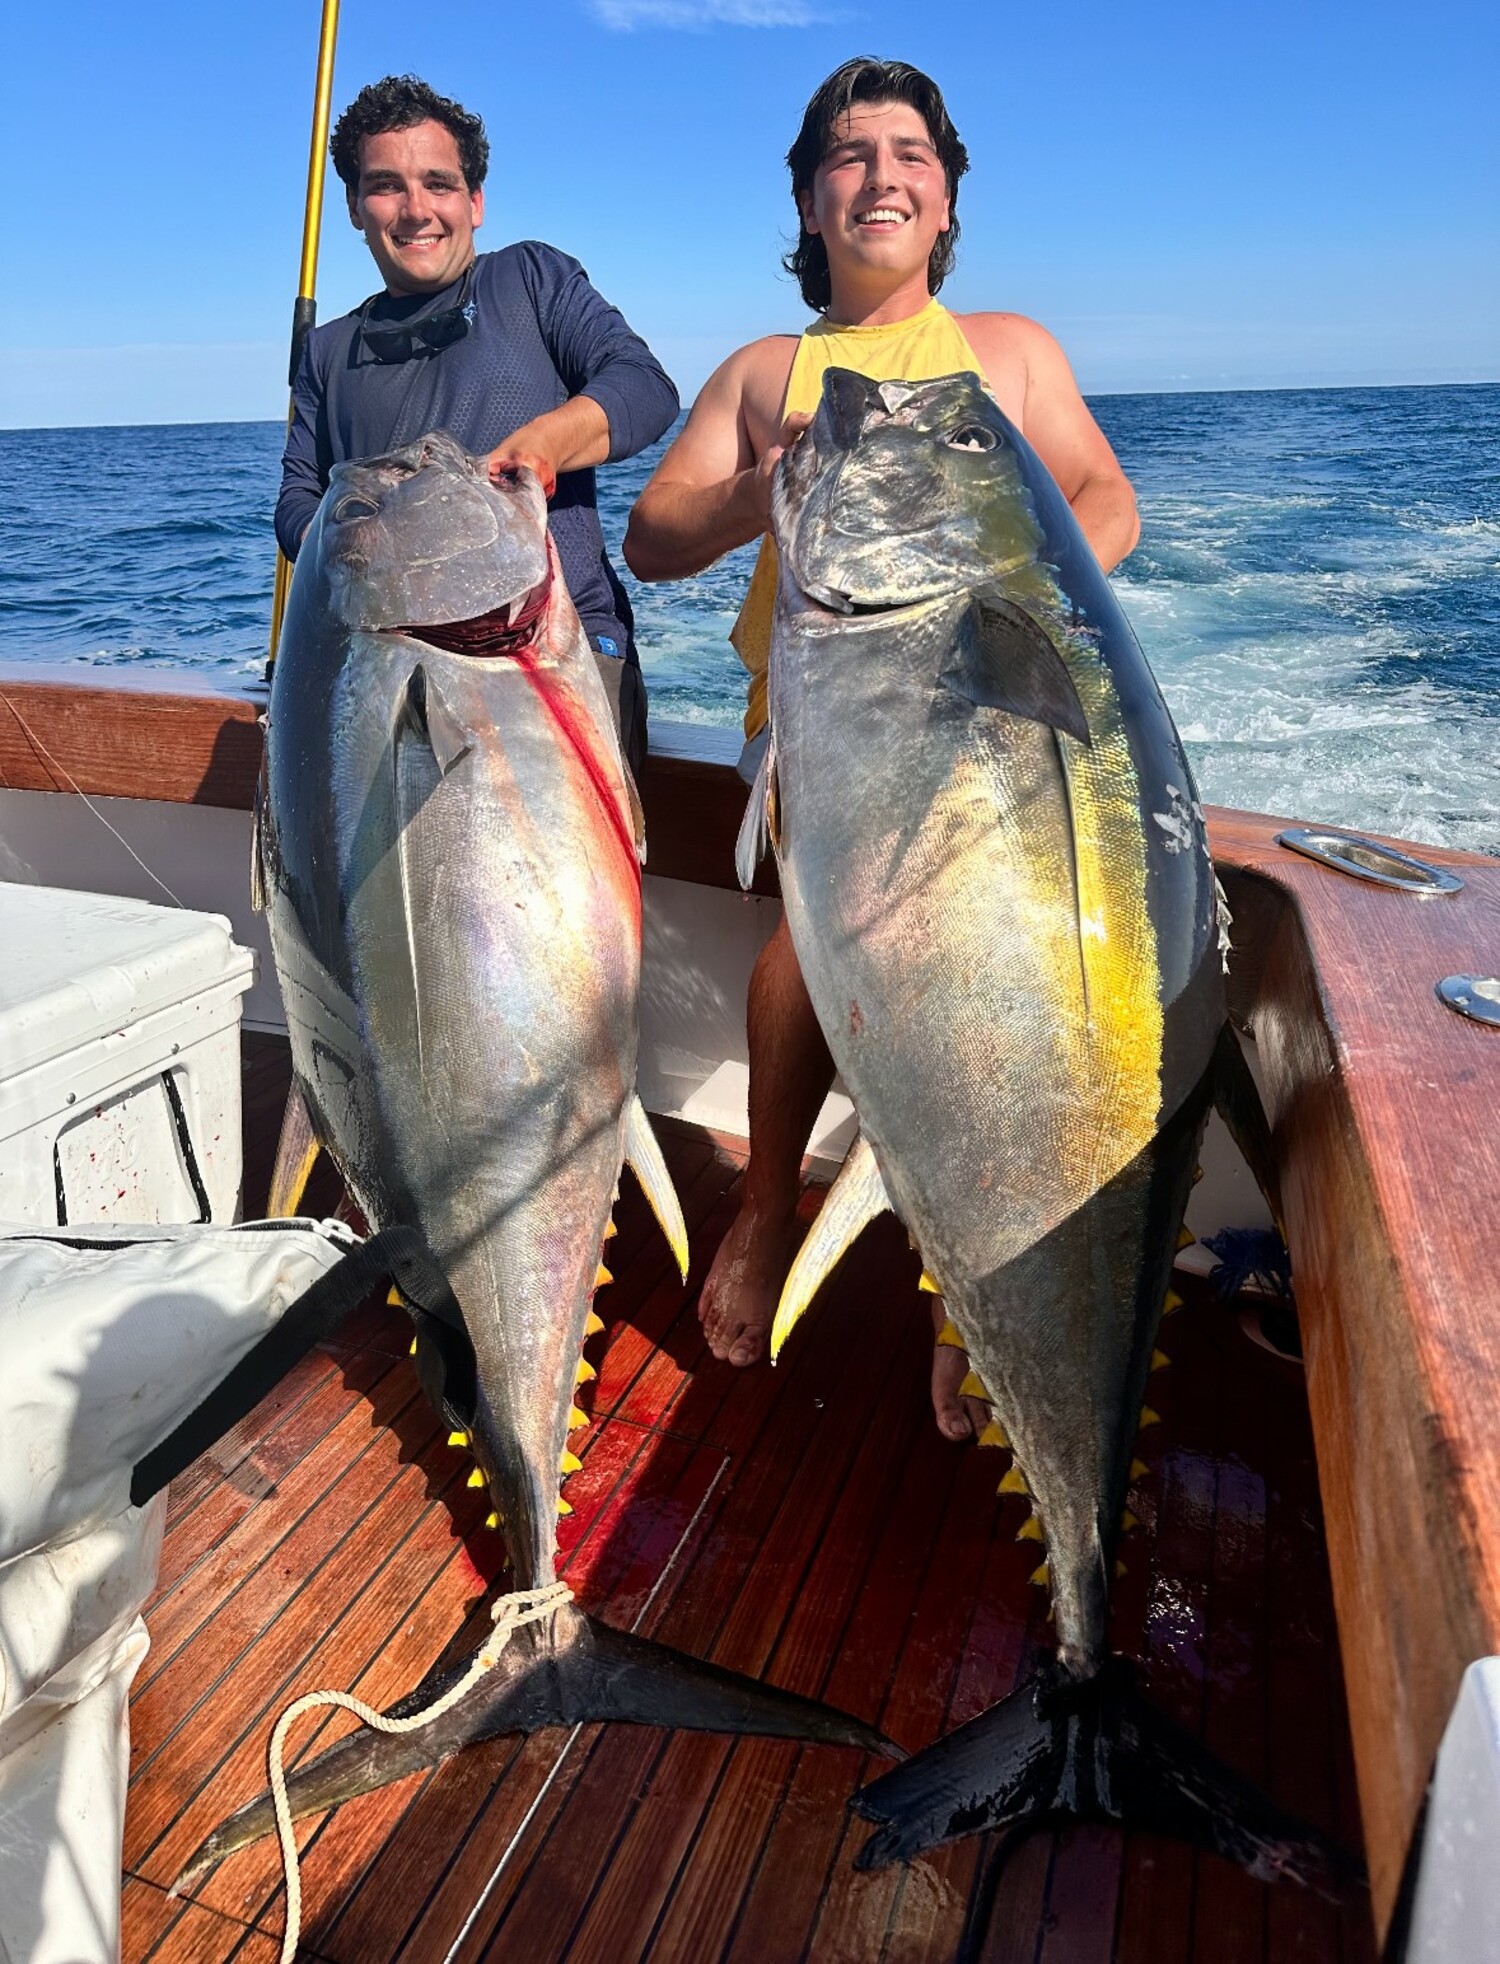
(75, 966)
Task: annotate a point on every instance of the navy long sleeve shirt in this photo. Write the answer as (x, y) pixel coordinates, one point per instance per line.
(539, 335)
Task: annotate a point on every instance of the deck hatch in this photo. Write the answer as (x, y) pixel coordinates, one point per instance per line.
(1364, 859)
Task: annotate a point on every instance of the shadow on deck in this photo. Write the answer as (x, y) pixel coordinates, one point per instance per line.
(806, 1524)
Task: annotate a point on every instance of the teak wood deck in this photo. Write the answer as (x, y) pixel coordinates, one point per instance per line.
(807, 1525)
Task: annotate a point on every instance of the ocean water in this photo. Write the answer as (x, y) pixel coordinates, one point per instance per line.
(1317, 586)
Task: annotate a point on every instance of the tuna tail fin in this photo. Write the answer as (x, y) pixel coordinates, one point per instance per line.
(1058, 1748)
(582, 1671)
(1238, 1102)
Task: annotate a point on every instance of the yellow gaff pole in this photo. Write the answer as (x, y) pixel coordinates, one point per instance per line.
(305, 307)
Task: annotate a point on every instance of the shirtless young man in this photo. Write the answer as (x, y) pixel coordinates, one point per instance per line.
(875, 171)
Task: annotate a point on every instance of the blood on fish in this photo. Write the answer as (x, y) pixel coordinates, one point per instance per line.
(578, 730)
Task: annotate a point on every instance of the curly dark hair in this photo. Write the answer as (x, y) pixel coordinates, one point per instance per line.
(867, 80)
(396, 102)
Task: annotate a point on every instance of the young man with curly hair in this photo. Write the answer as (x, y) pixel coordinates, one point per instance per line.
(512, 352)
(875, 172)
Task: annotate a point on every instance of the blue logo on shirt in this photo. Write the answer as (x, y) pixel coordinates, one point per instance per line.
(609, 646)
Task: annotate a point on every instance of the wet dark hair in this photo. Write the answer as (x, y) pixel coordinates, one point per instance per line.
(867, 80)
(398, 102)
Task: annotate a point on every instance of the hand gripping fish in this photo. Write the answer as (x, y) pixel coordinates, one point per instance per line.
(997, 880)
(450, 856)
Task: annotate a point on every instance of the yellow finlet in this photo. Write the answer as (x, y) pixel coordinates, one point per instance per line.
(1148, 1417)
(594, 1325)
(576, 1418)
(1139, 1469)
(562, 1506)
(569, 1463)
(413, 1351)
(393, 1297)
(585, 1372)
(610, 1230)
(950, 1336)
(1030, 1529)
(1159, 1360)
(1185, 1238)
(492, 1520)
(476, 1478)
(1197, 1174)
(458, 1438)
(1042, 1577)
(1128, 1521)
(603, 1278)
(1014, 1481)
(1170, 1301)
(1120, 1569)
(994, 1434)
(926, 1283)
(973, 1387)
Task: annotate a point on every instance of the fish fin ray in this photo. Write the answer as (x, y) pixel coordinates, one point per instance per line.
(643, 1157)
(856, 1197)
(448, 737)
(1004, 660)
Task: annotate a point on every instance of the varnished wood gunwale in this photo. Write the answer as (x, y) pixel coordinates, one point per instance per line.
(1383, 1103)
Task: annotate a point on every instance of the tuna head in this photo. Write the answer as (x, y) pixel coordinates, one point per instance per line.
(422, 539)
(903, 492)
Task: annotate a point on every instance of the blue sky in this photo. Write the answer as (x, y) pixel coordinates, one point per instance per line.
(1190, 196)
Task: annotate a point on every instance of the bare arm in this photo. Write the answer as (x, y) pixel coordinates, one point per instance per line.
(1070, 443)
(712, 490)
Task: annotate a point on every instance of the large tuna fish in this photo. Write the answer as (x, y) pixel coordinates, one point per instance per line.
(998, 885)
(450, 860)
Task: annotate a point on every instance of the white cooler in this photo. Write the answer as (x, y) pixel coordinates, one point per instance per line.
(119, 1102)
(119, 1060)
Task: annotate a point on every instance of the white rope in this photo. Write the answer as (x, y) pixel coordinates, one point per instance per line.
(510, 1613)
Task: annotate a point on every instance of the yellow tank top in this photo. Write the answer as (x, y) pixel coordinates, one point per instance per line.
(918, 349)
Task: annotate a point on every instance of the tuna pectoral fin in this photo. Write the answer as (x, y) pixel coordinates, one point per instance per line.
(584, 1672)
(1003, 660)
(447, 735)
(296, 1155)
(759, 823)
(643, 1157)
(1094, 1750)
(854, 1200)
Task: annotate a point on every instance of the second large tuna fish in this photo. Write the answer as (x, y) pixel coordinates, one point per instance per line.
(996, 875)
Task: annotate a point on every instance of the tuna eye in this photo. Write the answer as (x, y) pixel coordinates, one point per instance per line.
(973, 436)
(354, 506)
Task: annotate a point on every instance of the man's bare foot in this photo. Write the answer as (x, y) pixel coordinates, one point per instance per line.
(739, 1299)
(957, 1418)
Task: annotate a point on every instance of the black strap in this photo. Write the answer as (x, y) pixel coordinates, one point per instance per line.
(396, 1254)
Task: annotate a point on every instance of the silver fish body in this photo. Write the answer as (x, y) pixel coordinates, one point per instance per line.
(996, 874)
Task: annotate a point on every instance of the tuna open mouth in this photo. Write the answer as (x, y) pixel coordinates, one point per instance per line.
(503, 630)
